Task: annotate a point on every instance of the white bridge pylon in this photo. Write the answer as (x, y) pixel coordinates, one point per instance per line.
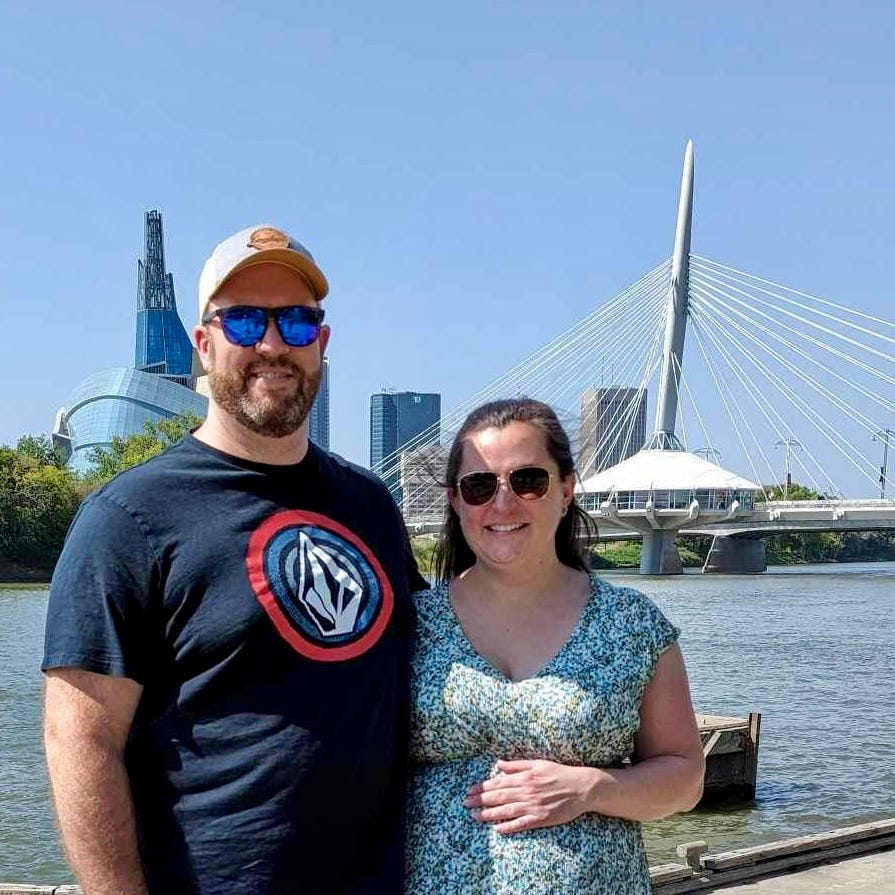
(762, 366)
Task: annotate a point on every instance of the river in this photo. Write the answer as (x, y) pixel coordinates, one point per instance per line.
(810, 647)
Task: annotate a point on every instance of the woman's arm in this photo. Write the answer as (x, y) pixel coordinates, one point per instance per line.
(666, 776)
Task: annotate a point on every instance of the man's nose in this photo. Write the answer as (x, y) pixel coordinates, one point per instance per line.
(271, 344)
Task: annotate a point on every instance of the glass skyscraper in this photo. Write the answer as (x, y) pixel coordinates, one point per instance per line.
(396, 419)
(613, 427)
(318, 429)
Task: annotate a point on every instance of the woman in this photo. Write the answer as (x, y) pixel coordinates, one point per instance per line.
(532, 681)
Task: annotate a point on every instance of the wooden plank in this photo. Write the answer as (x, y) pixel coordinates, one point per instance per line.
(783, 865)
(669, 873)
(14, 889)
(707, 723)
(711, 742)
(800, 844)
(24, 889)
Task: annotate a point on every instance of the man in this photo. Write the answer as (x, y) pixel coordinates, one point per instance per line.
(227, 638)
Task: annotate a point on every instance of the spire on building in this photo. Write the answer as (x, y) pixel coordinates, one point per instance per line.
(162, 344)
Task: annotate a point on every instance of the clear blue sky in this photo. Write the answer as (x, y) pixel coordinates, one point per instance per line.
(473, 177)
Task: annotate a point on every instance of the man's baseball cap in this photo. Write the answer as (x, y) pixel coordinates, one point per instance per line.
(253, 246)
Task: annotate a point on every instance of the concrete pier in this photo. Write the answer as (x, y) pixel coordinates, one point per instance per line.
(736, 556)
(659, 554)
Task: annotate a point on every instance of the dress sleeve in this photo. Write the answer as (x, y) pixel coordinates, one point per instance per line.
(660, 633)
(650, 631)
(100, 611)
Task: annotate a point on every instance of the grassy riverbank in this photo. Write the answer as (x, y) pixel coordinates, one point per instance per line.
(14, 574)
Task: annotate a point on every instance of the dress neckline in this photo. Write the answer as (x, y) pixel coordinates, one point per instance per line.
(473, 653)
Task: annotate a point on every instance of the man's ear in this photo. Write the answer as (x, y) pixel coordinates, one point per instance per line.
(203, 345)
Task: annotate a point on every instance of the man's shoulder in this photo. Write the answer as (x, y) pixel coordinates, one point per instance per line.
(153, 479)
(351, 474)
(153, 468)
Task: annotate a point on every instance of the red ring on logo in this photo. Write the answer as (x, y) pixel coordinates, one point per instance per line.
(260, 585)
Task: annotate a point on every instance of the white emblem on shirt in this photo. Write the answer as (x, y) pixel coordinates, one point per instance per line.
(328, 592)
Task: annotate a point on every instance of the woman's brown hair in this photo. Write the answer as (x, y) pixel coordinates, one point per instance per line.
(576, 529)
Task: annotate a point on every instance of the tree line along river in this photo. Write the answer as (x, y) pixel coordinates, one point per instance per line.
(810, 647)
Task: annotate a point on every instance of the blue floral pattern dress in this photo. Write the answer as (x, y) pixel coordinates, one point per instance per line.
(581, 708)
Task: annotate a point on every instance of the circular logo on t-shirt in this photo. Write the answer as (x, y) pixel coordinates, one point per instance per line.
(321, 586)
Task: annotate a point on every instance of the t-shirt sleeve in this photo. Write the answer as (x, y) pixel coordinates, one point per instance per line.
(415, 580)
(99, 616)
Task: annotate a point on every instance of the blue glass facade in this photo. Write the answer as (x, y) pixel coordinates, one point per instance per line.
(119, 402)
(162, 345)
(396, 418)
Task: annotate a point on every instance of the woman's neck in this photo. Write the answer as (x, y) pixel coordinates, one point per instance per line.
(519, 585)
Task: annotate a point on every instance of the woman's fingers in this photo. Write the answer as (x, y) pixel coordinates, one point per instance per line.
(500, 813)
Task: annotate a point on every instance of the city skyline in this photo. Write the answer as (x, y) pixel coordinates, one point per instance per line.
(469, 192)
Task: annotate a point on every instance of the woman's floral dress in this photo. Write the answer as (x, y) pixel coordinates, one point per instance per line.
(582, 708)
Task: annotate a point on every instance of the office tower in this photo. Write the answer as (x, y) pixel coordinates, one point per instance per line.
(421, 480)
(162, 345)
(613, 427)
(396, 419)
(318, 430)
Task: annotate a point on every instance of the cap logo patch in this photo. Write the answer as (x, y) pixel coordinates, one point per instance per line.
(268, 238)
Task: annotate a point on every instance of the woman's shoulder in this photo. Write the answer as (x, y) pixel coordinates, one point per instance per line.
(632, 611)
(430, 601)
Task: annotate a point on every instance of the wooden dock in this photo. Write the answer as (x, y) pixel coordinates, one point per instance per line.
(730, 746)
(858, 859)
(780, 863)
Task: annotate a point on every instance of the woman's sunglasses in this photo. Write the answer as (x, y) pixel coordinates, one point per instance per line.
(527, 483)
(245, 325)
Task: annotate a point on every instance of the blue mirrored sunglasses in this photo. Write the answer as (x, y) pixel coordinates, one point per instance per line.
(245, 325)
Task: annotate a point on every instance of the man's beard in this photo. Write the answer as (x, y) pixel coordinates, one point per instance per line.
(276, 417)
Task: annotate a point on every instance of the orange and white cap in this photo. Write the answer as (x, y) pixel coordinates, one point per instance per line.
(255, 245)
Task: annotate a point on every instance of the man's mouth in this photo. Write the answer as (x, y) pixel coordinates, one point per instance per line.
(271, 374)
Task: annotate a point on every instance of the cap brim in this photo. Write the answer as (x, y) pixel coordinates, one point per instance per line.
(288, 258)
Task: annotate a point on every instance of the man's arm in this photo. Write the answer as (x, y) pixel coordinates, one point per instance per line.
(86, 723)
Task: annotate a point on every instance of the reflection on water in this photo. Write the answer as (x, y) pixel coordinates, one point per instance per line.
(810, 647)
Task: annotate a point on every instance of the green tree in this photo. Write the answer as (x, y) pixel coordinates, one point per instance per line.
(40, 448)
(38, 500)
(126, 452)
(794, 492)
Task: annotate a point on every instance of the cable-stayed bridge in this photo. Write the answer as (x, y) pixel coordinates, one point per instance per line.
(753, 384)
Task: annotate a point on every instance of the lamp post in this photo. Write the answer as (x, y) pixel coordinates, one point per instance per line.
(789, 443)
(883, 435)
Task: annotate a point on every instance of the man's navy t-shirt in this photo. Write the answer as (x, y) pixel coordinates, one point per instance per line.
(265, 611)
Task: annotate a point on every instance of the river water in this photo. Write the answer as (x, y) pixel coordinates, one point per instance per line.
(810, 647)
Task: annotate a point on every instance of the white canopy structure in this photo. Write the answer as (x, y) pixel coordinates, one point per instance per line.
(650, 470)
